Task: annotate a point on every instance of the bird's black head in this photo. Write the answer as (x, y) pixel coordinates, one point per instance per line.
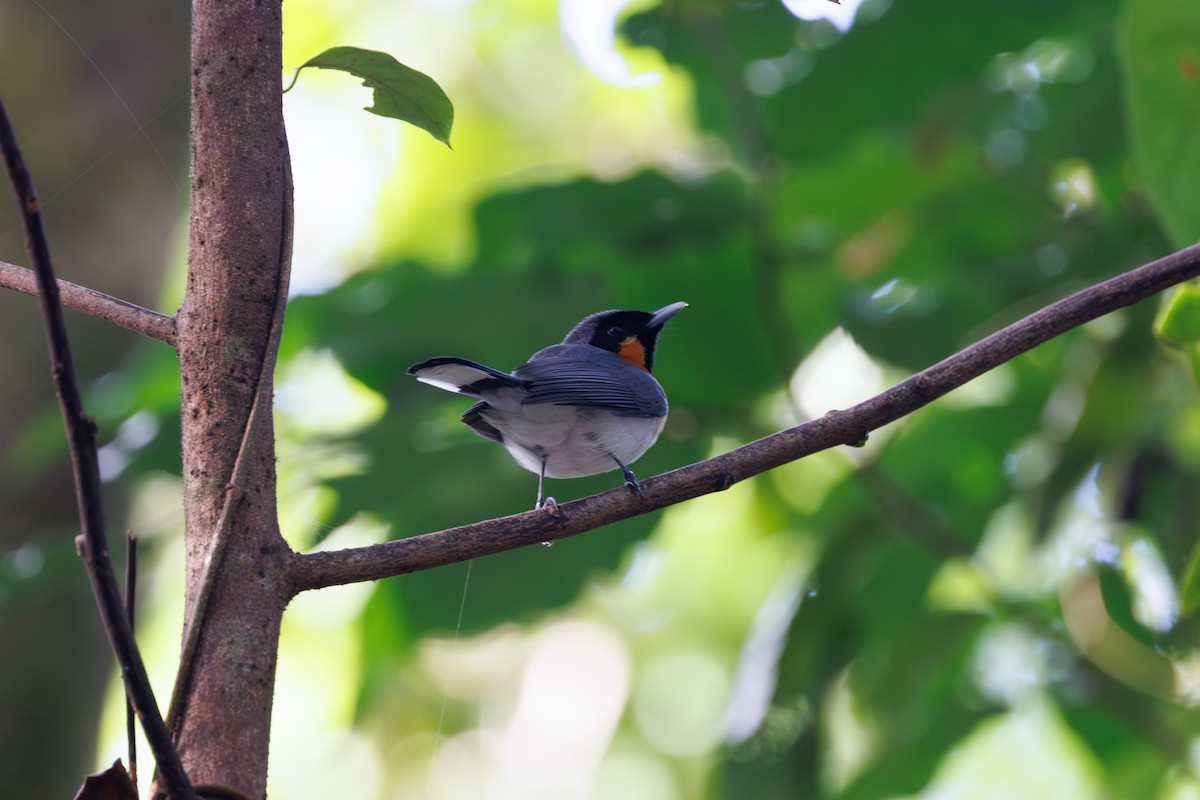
(630, 334)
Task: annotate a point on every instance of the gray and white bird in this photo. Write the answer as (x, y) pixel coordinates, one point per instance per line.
(583, 407)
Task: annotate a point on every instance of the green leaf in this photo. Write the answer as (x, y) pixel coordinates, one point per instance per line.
(1189, 599)
(400, 92)
(1162, 79)
(1178, 322)
(1179, 319)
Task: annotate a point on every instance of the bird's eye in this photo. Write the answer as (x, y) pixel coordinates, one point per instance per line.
(616, 332)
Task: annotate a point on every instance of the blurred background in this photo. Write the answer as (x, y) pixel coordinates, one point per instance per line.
(994, 598)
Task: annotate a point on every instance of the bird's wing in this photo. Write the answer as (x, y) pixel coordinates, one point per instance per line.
(462, 376)
(583, 375)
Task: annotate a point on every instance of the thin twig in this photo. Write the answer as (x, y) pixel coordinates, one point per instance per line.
(331, 568)
(92, 543)
(96, 304)
(195, 626)
(259, 409)
(131, 618)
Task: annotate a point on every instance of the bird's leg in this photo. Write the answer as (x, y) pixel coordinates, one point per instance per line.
(548, 503)
(630, 479)
(541, 481)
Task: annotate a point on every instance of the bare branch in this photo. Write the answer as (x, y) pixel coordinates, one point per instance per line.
(92, 543)
(317, 570)
(97, 304)
(131, 544)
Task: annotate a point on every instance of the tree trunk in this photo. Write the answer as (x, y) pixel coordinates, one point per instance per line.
(239, 229)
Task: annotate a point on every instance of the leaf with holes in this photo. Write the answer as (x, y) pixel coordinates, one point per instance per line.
(401, 92)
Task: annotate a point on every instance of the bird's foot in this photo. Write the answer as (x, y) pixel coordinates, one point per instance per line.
(550, 506)
(630, 479)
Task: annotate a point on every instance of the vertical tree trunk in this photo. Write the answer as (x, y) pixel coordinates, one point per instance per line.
(239, 219)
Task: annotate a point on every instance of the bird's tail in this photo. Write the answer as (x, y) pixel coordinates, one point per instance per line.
(462, 376)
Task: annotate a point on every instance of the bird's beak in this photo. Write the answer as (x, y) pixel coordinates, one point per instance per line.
(660, 317)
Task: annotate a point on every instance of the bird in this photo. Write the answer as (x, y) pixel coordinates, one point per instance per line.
(583, 407)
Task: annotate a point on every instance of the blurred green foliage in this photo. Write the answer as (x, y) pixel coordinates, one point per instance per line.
(994, 598)
(1161, 70)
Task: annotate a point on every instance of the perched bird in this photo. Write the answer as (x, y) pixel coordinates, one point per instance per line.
(583, 407)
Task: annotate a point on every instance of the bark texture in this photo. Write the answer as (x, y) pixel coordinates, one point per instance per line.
(239, 229)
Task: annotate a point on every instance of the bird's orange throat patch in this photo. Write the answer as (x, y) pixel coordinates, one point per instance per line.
(633, 351)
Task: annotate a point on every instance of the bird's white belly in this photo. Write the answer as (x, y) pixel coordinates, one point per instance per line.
(575, 442)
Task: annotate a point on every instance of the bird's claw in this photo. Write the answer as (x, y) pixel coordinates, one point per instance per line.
(550, 506)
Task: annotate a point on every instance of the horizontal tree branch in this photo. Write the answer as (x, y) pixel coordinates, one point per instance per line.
(331, 568)
(97, 304)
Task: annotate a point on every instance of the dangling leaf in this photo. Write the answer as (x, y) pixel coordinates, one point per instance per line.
(400, 92)
(112, 784)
